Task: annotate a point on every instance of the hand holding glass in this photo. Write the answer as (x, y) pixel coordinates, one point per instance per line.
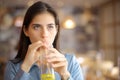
(47, 72)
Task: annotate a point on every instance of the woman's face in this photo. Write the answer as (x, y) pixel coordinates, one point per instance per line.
(42, 28)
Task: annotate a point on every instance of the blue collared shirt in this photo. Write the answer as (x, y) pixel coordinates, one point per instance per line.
(14, 71)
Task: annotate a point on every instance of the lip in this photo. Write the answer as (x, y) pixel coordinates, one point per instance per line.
(44, 41)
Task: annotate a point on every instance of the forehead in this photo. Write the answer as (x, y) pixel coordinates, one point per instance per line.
(43, 17)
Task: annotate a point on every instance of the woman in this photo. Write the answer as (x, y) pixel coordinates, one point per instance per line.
(40, 32)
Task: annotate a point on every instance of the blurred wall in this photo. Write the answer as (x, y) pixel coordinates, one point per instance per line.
(110, 30)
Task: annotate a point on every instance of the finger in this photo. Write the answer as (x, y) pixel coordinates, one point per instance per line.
(56, 59)
(37, 55)
(55, 52)
(36, 45)
(55, 56)
(60, 64)
(38, 62)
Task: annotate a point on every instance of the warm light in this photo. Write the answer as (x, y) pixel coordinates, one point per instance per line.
(69, 24)
(115, 71)
(86, 17)
(106, 65)
(30, 3)
(18, 21)
(80, 60)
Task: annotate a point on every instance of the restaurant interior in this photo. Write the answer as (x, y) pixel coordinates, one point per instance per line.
(89, 30)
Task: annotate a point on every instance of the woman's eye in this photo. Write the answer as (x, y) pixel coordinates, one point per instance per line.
(36, 27)
(51, 26)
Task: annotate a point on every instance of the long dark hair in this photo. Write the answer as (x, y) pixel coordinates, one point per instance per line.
(24, 42)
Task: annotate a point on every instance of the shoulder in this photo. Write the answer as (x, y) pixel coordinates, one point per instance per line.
(67, 55)
(11, 62)
(72, 60)
(74, 67)
(73, 63)
(70, 57)
(11, 65)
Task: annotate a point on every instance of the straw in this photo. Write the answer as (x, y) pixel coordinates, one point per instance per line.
(47, 64)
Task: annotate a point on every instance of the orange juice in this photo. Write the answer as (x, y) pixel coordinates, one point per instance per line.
(47, 77)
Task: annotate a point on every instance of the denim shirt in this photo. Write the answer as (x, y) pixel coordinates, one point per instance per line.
(14, 71)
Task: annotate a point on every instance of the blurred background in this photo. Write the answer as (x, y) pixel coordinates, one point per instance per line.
(89, 29)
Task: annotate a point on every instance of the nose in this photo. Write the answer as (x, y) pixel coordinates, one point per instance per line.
(45, 33)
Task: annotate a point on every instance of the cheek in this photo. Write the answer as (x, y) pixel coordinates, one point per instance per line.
(53, 36)
(34, 38)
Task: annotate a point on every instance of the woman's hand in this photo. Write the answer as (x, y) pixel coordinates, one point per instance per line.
(32, 55)
(59, 62)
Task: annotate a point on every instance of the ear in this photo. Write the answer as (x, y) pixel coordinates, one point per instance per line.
(25, 31)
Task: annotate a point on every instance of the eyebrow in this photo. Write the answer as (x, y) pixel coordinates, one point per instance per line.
(51, 24)
(36, 24)
(40, 24)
